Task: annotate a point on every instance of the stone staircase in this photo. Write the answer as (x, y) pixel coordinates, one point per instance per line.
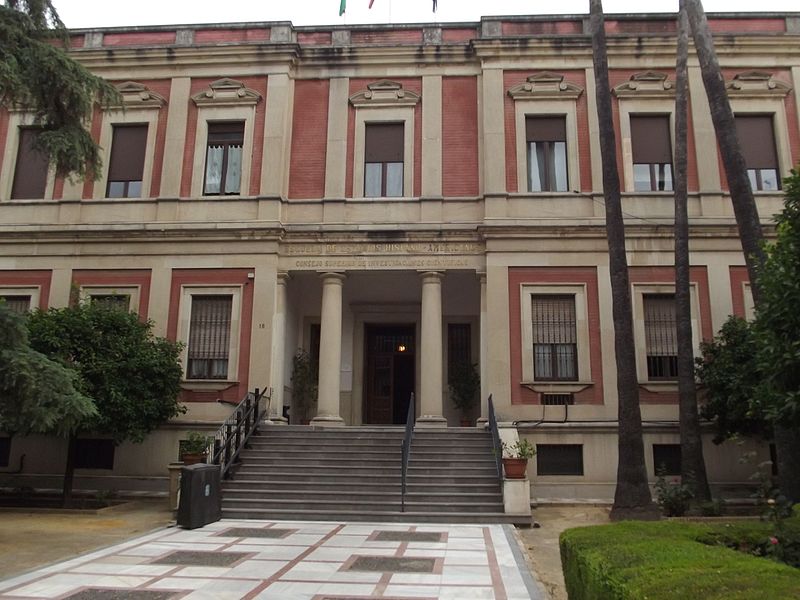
(353, 474)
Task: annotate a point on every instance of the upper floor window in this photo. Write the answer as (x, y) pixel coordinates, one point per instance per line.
(757, 140)
(126, 167)
(383, 160)
(209, 336)
(30, 175)
(555, 349)
(652, 153)
(547, 153)
(224, 158)
(661, 338)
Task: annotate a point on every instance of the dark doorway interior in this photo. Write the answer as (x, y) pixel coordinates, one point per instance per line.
(389, 374)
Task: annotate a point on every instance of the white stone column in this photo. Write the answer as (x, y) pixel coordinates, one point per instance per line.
(330, 351)
(279, 349)
(431, 397)
(484, 349)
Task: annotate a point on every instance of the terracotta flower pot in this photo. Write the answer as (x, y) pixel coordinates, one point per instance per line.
(193, 458)
(515, 467)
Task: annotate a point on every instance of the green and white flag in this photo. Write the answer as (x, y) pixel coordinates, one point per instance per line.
(342, 7)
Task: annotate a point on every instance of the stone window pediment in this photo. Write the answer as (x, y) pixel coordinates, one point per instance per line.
(384, 93)
(647, 84)
(545, 85)
(227, 92)
(137, 95)
(756, 84)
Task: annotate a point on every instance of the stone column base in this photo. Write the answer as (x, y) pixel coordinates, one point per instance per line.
(517, 496)
(431, 421)
(327, 421)
(275, 420)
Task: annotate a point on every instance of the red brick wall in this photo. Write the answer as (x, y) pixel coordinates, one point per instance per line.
(309, 138)
(4, 137)
(460, 136)
(452, 36)
(387, 36)
(513, 28)
(587, 276)
(259, 84)
(216, 36)
(160, 87)
(216, 277)
(747, 25)
(314, 38)
(30, 279)
(139, 38)
(97, 123)
(119, 278)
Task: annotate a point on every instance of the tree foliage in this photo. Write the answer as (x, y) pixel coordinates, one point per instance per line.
(777, 324)
(37, 74)
(729, 375)
(133, 376)
(37, 395)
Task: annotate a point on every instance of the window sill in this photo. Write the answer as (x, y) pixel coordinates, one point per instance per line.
(557, 387)
(207, 385)
(659, 387)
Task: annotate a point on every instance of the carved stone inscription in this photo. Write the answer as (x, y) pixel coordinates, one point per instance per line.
(382, 255)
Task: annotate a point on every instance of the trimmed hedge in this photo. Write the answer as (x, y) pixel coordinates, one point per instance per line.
(666, 561)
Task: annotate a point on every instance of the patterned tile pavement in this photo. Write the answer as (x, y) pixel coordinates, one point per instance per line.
(266, 560)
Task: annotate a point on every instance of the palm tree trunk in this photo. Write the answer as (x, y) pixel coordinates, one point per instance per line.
(787, 441)
(744, 206)
(693, 467)
(632, 498)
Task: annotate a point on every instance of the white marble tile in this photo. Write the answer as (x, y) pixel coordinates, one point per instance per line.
(229, 589)
(470, 575)
(283, 590)
(417, 578)
(466, 593)
(194, 571)
(350, 589)
(180, 583)
(277, 552)
(465, 557)
(122, 569)
(412, 591)
(256, 569)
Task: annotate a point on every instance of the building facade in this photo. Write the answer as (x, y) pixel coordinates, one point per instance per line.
(400, 201)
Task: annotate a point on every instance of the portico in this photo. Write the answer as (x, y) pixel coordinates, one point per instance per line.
(377, 336)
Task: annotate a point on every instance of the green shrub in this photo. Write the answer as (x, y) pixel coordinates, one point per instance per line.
(673, 498)
(664, 561)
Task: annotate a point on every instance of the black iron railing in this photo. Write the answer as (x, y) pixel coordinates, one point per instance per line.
(496, 445)
(231, 437)
(406, 449)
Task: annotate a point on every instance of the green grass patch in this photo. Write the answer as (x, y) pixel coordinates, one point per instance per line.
(669, 559)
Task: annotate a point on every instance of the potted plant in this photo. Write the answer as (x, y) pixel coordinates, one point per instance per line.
(515, 458)
(465, 385)
(194, 449)
(304, 386)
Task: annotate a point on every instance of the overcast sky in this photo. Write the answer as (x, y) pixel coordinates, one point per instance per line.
(107, 13)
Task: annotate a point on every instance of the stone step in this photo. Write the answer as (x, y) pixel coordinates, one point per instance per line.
(366, 487)
(327, 462)
(336, 504)
(269, 476)
(376, 516)
(358, 496)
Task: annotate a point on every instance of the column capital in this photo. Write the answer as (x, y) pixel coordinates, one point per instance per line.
(332, 277)
(283, 277)
(431, 276)
(481, 275)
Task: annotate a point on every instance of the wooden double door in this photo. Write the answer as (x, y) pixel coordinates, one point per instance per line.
(390, 372)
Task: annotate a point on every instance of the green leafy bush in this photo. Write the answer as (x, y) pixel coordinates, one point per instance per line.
(674, 498)
(668, 560)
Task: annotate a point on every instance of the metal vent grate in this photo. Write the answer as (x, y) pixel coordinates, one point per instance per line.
(558, 399)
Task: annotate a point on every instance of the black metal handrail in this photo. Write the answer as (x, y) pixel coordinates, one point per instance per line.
(496, 445)
(406, 450)
(236, 430)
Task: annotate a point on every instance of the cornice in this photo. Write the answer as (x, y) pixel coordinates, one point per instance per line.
(756, 84)
(226, 92)
(647, 84)
(384, 93)
(545, 85)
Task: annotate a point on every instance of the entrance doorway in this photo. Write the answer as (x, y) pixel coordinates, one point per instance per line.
(389, 374)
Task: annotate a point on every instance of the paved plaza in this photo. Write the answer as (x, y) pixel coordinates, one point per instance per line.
(285, 560)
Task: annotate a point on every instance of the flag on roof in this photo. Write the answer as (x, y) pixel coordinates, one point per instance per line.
(370, 3)
(434, 5)
(342, 7)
